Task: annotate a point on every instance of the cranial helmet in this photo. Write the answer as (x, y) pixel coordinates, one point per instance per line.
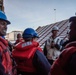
(55, 28)
(4, 17)
(30, 33)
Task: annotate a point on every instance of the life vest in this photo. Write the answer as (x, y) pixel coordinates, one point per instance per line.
(23, 54)
(58, 66)
(6, 60)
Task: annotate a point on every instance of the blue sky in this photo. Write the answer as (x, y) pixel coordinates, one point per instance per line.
(35, 13)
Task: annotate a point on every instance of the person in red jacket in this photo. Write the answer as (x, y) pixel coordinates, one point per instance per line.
(19, 38)
(66, 63)
(5, 60)
(29, 56)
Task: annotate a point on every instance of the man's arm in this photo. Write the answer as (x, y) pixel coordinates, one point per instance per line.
(41, 63)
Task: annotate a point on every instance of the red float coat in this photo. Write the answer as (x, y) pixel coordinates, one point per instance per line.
(23, 54)
(58, 67)
(6, 60)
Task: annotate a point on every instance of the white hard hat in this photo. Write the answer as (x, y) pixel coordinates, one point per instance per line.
(55, 28)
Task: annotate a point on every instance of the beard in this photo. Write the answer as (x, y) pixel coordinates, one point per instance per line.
(3, 33)
(72, 38)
